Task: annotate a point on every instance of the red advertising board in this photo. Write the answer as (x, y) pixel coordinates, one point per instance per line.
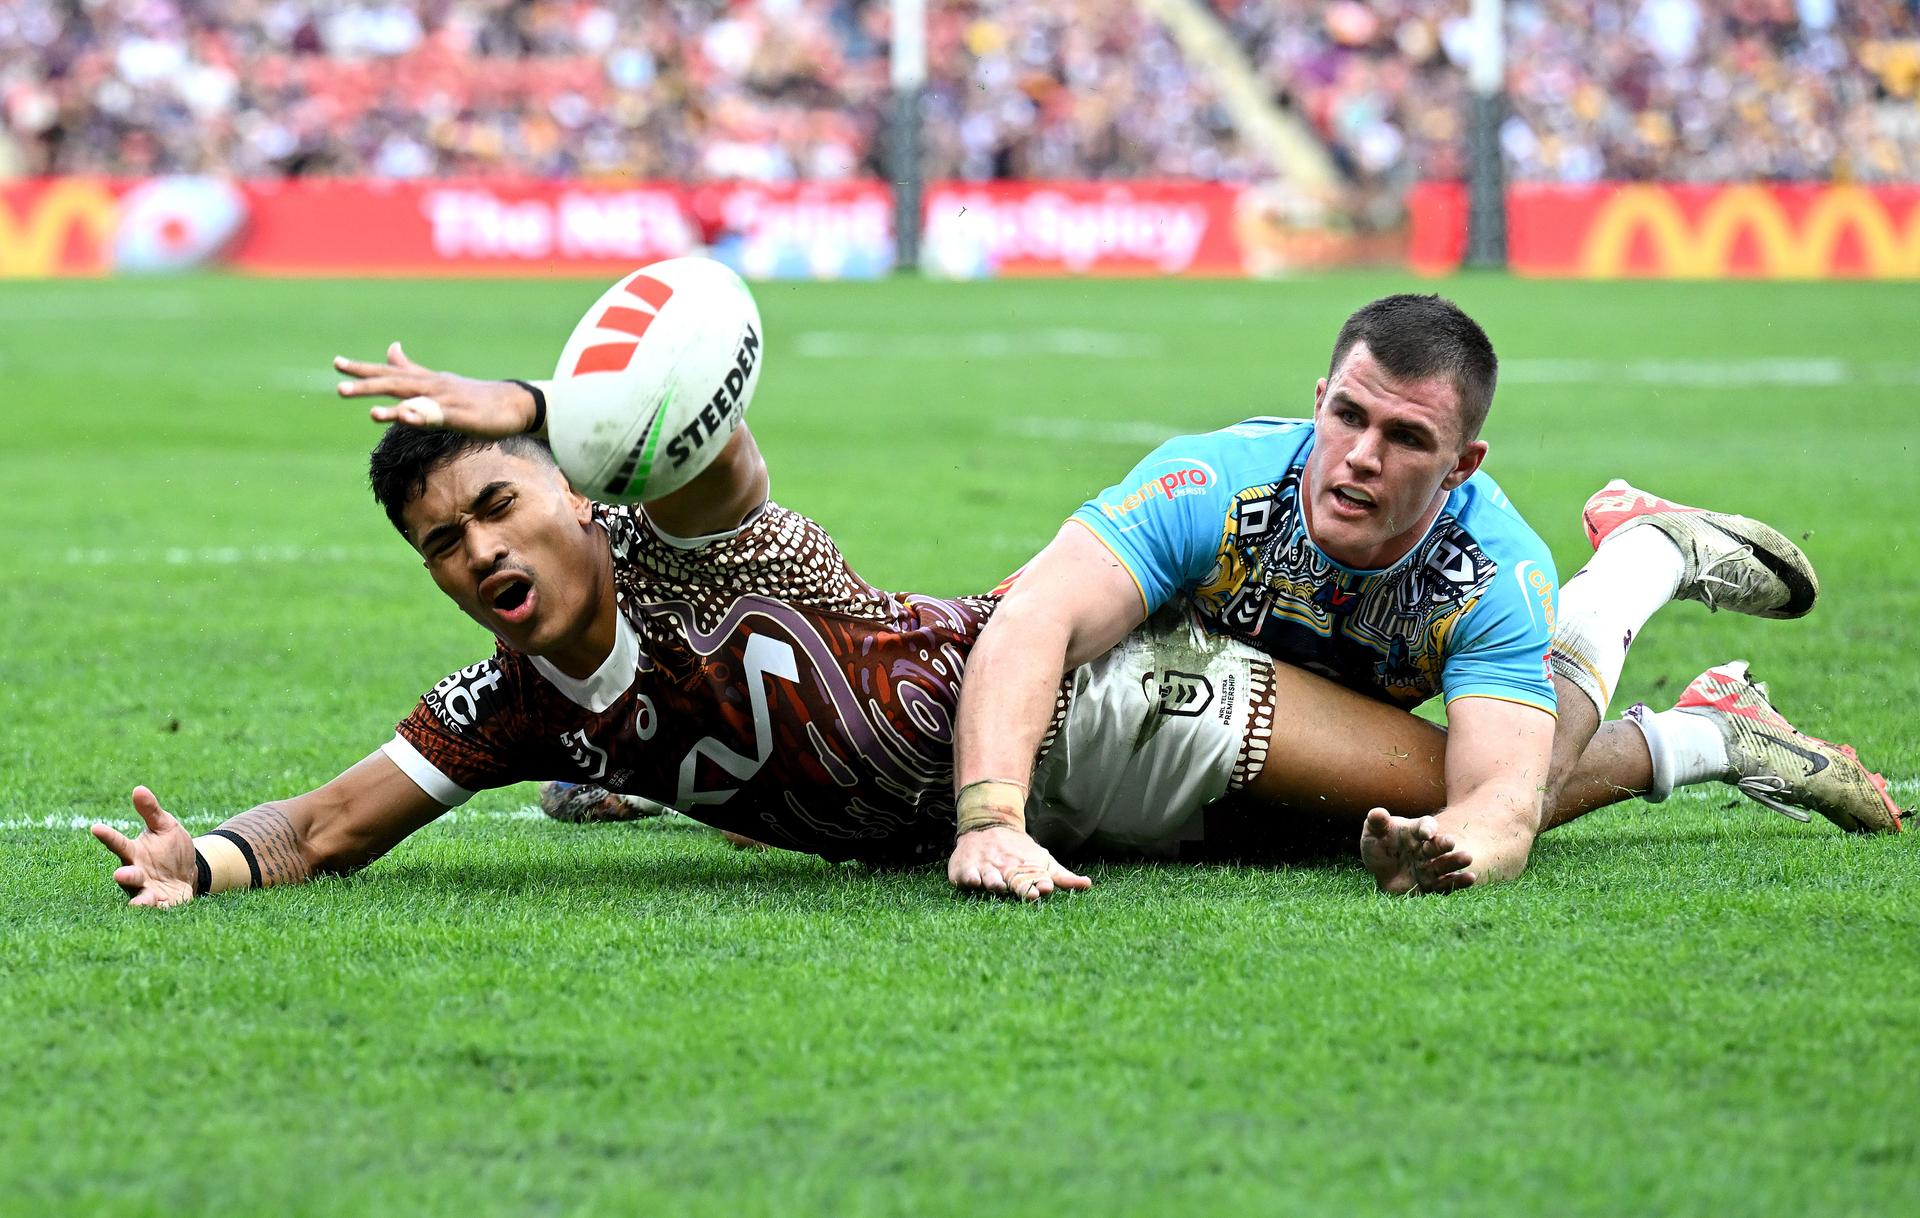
(345, 226)
(500, 227)
(1685, 232)
(1053, 228)
(91, 226)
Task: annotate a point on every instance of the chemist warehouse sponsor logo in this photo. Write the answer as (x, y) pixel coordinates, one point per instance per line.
(1537, 586)
(1180, 480)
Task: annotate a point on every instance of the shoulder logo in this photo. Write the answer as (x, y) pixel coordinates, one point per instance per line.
(1537, 589)
(1177, 478)
(456, 699)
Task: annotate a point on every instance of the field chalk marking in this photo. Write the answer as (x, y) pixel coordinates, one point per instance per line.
(1074, 431)
(1904, 790)
(976, 344)
(1810, 372)
(218, 556)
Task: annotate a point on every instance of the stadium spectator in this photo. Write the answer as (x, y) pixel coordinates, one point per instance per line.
(1070, 89)
(1673, 90)
(767, 90)
(772, 90)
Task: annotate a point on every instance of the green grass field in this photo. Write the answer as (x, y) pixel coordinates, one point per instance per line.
(1696, 1008)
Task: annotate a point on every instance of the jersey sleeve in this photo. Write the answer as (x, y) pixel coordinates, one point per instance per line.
(465, 735)
(1163, 520)
(1502, 645)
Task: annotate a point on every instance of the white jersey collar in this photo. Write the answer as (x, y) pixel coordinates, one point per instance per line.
(613, 678)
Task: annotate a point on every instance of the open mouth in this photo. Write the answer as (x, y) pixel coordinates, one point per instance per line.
(510, 596)
(1355, 501)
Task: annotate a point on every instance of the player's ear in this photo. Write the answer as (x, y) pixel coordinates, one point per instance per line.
(1319, 393)
(581, 505)
(1469, 463)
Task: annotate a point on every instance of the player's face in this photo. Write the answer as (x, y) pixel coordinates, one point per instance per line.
(514, 546)
(1385, 454)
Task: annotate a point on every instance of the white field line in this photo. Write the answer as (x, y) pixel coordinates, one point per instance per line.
(1137, 432)
(976, 344)
(1812, 372)
(201, 821)
(218, 556)
(18, 308)
(1905, 791)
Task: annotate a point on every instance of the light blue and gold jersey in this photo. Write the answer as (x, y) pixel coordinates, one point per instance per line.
(1217, 519)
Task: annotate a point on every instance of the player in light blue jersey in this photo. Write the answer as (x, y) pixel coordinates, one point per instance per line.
(1366, 545)
(1218, 520)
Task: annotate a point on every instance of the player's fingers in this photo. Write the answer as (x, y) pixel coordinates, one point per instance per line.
(1379, 823)
(359, 367)
(992, 879)
(115, 841)
(398, 357)
(157, 818)
(421, 412)
(1436, 846)
(1453, 881)
(1029, 881)
(1453, 860)
(146, 899)
(132, 878)
(386, 383)
(1062, 878)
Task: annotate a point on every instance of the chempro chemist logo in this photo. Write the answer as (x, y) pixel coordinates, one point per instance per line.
(1751, 230)
(1180, 479)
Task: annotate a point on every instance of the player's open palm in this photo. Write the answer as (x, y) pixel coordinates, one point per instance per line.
(437, 399)
(157, 866)
(1004, 859)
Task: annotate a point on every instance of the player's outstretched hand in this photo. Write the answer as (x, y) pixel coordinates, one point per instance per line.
(1412, 855)
(1007, 860)
(436, 399)
(157, 866)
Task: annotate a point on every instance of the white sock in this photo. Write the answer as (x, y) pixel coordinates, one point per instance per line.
(1604, 605)
(1686, 748)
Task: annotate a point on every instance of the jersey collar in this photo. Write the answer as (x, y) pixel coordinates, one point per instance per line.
(612, 679)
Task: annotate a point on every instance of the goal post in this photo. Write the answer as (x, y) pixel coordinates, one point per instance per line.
(1486, 111)
(909, 74)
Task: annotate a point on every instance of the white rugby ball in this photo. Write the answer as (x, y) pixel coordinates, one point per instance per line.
(654, 380)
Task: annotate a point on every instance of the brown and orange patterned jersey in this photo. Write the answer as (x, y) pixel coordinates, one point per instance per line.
(757, 684)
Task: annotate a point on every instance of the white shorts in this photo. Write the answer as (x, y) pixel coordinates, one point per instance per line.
(1164, 724)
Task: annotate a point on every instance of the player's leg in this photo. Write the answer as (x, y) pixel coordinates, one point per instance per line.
(1649, 551)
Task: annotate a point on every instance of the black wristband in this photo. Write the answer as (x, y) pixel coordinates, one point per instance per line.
(246, 852)
(539, 406)
(202, 874)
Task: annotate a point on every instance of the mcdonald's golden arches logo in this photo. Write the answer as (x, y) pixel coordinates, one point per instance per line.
(1704, 248)
(38, 229)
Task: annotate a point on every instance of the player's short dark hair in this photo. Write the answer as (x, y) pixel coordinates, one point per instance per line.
(406, 456)
(1416, 337)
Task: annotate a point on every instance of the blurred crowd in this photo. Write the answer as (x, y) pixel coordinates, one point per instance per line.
(776, 90)
(1070, 89)
(699, 90)
(1674, 90)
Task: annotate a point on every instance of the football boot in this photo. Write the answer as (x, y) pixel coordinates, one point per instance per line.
(1732, 562)
(585, 804)
(1779, 766)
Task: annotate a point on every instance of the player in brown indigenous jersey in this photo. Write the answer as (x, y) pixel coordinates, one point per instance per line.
(715, 652)
(755, 682)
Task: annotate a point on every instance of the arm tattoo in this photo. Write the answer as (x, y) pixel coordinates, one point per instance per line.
(272, 843)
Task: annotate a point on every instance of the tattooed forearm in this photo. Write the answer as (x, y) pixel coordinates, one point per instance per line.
(271, 843)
